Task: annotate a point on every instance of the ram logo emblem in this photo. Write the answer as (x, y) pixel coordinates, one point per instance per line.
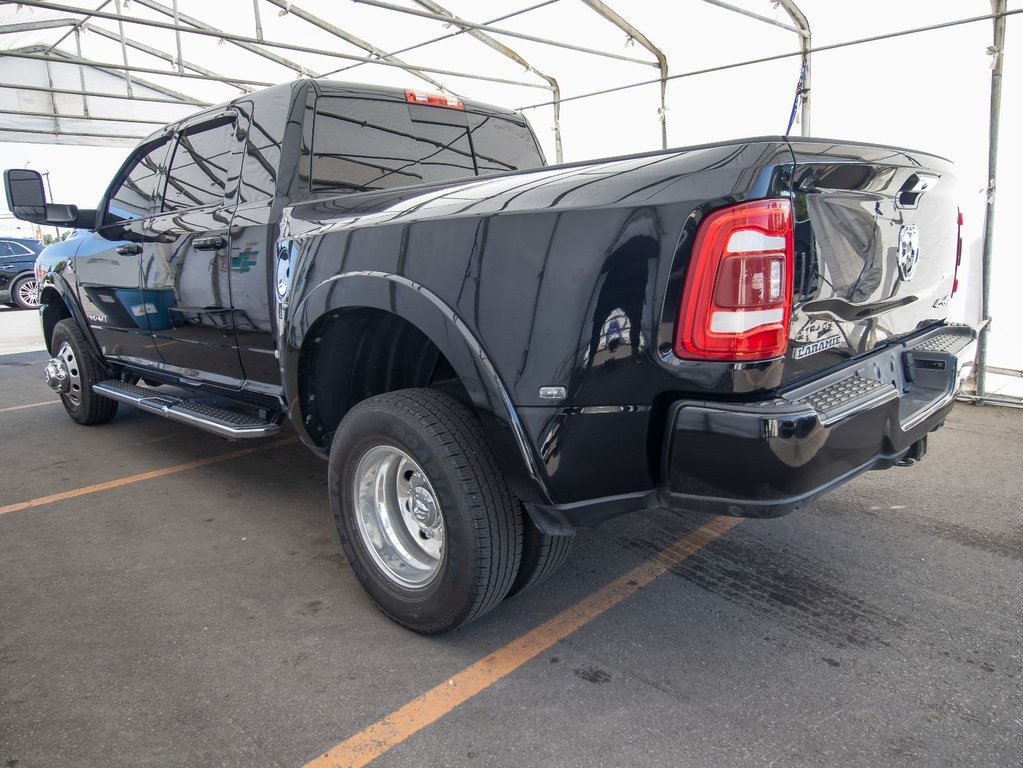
(909, 251)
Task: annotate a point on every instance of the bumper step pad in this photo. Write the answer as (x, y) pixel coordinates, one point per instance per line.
(836, 399)
(937, 363)
(198, 412)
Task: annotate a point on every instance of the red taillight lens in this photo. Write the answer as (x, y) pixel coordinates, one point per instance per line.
(738, 292)
(433, 99)
(959, 254)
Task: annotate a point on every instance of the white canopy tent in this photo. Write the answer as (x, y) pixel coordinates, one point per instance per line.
(121, 50)
(107, 72)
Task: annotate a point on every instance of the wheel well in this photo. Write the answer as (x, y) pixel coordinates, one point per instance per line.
(53, 310)
(354, 354)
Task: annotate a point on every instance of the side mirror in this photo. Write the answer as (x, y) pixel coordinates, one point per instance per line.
(26, 198)
(25, 194)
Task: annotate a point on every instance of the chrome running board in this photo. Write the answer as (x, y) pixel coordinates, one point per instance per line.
(196, 412)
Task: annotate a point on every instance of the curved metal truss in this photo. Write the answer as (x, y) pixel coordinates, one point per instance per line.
(52, 92)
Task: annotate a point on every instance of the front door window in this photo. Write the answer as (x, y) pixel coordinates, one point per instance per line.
(108, 264)
(187, 260)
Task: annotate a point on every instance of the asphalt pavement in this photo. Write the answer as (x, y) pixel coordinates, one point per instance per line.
(19, 331)
(184, 604)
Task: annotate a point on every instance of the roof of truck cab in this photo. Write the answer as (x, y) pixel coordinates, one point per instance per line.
(333, 88)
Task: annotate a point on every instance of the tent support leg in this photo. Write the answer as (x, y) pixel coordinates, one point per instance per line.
(998, 51)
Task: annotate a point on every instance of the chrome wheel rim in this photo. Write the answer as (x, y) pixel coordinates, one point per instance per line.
(399, 516)
(27, 294)
(66, 356)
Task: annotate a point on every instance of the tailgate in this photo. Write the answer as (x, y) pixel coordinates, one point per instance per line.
(875, 241)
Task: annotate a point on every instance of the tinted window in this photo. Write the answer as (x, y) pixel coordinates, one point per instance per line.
(198, 172)
(133, 196)
(502, 144)
(5, 249)
(364, 144)
(259, 172)
(267, 113)
(20, 250)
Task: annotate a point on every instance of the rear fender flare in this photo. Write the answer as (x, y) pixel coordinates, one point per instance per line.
(438, 322)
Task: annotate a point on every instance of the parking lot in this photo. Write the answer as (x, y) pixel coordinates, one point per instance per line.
(168, 598)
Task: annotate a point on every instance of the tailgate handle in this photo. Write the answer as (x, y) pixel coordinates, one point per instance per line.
(916, 185)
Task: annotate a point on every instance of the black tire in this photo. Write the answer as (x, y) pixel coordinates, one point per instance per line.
(482, 520)
(82, 404)
(542, 555)
(16, 287)
(454, 388)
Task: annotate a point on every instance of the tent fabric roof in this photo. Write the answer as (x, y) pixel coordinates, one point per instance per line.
(108, 71)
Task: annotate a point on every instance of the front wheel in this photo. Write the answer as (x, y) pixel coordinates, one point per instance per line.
(425, 517)
(71, 373)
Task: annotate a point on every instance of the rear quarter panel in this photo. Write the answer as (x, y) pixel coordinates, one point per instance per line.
(566, 276)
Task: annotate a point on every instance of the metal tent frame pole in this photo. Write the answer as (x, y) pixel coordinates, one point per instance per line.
(753, 15)
(806, 46)
(504, 50)
(639, 37)
(181, 63)
(358, 42)
(79, 23)
(456, 33)
(126, 71)
(191, 22)
(801, 28)
(252, 44)
(502, 31)
(101, 95)
(34, 26)
(998, 52)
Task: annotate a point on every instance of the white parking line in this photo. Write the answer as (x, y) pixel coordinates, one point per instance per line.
(30, 405)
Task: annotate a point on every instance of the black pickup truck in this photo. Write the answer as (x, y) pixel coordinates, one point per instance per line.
(492, 353)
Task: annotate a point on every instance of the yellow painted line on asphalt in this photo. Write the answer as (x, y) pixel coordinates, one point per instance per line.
(369, 744)
(142, 476)
(30, 405)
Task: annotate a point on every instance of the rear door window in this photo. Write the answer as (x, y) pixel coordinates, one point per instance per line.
(363, 144)
(198, 172)
(265, 118)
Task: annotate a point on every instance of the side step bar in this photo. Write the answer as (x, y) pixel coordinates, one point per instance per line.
(219, 421)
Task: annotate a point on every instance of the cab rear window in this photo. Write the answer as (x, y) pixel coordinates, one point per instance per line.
(367, 144)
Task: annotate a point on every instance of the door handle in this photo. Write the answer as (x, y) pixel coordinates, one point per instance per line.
(129, 249)
(214, 243)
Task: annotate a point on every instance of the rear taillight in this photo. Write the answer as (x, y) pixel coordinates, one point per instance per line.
(959, 254)
(738, 292)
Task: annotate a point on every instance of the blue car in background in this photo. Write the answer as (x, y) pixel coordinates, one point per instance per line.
(17, 271)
